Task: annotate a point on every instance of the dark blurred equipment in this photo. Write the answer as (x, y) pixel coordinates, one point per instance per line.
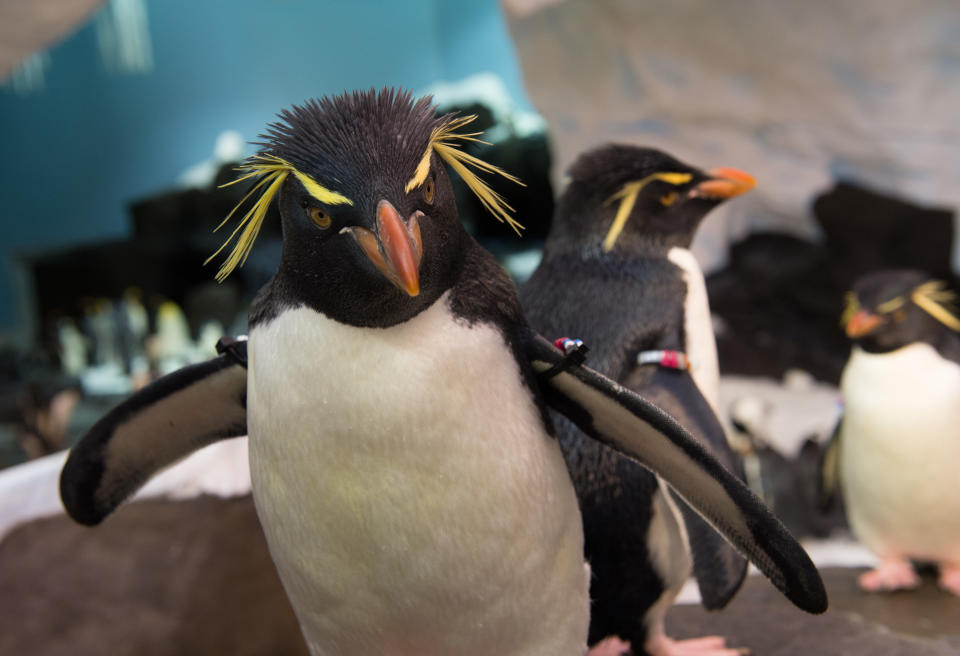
(36, 406)
(172, 237)
(780, 297)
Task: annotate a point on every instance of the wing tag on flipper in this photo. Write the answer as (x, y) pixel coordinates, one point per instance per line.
(158, 425)
(636, 428)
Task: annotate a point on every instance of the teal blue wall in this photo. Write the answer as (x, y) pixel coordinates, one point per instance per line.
(75, 153)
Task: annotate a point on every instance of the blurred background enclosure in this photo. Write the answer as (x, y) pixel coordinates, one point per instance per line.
(118, 120)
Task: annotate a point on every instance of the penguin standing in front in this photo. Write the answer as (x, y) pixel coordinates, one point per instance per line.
(896, 452)
(617, 273)
(403, 463)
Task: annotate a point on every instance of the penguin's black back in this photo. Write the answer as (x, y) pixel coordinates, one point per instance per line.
(624, 305)
(643, 295)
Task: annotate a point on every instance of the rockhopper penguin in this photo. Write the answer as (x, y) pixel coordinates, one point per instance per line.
(617, 273)
(403, 465)
(896, 452)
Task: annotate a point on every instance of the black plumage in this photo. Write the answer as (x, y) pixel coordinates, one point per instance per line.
(622, 300)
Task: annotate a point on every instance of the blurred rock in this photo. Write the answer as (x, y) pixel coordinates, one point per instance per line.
(780, 297)
(866, 230)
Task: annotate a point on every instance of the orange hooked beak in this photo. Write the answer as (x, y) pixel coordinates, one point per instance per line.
(395, 249)
(724, 183)
(863, 323)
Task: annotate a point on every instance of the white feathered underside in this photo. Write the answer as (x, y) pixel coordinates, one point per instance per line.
(701, 345)
(411, 499)
(900, 452)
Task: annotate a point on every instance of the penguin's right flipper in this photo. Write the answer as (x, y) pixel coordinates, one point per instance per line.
(165, 421)
(621, 419)
(717, 566)
(828, 484)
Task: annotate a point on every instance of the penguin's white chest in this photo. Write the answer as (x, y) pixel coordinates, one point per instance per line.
(698, 327)
(412, 501)
(900, 452)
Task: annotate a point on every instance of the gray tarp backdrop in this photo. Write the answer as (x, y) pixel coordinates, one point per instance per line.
(798, 93)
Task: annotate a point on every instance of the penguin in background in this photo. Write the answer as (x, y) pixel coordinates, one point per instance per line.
(617, 273)
(403, 460)
(895, 454)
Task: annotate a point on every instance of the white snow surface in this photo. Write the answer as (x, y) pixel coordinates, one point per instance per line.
(782, 413)
(31, 490)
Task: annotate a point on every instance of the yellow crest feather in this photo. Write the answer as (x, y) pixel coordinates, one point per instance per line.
(629, 194)
(851, 305)
(935, 299)
(272, 171)
(444, 142)
(892, 305)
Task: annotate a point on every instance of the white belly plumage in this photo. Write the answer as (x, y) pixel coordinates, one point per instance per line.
(667, 540)
(900, 452)
(698, 327)
(411, 499)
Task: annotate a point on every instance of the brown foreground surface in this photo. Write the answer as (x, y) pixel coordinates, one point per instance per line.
(194, 577)
(924, 622)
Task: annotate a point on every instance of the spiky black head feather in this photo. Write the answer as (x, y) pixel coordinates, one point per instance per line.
(630, 197)
(357, 143)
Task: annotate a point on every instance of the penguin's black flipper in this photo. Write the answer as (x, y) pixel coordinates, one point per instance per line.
(619, 418)
(165, 421)
(717, 565)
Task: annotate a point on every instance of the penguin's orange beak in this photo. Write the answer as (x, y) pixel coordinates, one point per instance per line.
(863, 323)
(725, 182)
(396, 249)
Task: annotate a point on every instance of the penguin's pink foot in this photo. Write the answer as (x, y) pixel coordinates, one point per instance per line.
(661, 645)
(950, 578)
(610, 647)
(893, 574)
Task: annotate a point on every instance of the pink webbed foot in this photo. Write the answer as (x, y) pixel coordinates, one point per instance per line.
(950, 578)
(610, 647)
(661, 645)
(893, 574)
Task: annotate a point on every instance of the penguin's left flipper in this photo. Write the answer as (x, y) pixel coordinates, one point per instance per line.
(619, 418)
(165, 421)
(717, 566)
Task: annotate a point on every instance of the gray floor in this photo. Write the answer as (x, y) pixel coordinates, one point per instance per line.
(923, 622)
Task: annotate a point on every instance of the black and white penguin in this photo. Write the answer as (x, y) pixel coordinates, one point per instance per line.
(897, 448)
(617, 273)
(402, 459)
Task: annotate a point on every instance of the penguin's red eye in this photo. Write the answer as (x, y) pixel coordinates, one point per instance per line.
(899, 315)
(318, 216)
(668, 199)
(428, 191)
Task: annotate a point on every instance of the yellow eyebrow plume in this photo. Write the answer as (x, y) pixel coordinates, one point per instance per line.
(272, 171)
(629, 194)
(892, 305)
(444, 141)
(935, 299)
(320, 192)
